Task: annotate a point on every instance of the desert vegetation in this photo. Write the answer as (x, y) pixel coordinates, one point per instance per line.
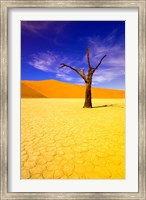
(87, 78)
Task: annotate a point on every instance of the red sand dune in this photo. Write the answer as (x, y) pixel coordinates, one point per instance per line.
(57, 89)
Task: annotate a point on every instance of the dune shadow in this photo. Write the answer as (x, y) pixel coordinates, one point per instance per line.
(103, 106)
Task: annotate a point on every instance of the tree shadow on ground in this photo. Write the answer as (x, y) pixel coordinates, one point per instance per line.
(103, 106)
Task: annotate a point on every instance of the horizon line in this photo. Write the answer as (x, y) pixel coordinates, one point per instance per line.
(72, 84)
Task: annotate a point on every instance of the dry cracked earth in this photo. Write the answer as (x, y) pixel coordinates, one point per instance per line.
(62, 140)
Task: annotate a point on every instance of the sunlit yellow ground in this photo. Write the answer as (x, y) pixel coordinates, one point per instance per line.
(60, 139)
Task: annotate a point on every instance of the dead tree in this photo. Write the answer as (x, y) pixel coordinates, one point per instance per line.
(87, 78)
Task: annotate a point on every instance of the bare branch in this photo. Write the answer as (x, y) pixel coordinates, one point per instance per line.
(88, 57)
(79, 72)
(82, 72)
(99, 62)
(64, 65)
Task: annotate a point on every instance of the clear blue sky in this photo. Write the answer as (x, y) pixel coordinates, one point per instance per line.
(46, 44)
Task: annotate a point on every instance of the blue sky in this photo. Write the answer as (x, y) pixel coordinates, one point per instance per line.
(46, 44)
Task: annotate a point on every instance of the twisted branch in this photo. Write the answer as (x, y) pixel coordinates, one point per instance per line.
(78, 71)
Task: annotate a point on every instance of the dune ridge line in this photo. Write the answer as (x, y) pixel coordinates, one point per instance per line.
(58, 89)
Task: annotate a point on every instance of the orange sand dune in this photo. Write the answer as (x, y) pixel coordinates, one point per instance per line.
(57, 89)
(28, 92)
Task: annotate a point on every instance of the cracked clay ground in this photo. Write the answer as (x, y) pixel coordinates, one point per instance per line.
(60, 139)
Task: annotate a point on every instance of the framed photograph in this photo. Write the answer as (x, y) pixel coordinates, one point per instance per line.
(73, 99)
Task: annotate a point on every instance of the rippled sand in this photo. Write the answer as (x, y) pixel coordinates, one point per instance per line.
(60, 139)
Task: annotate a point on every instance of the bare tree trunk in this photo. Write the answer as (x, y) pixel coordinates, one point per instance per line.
(88, 96)
(87, 78)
